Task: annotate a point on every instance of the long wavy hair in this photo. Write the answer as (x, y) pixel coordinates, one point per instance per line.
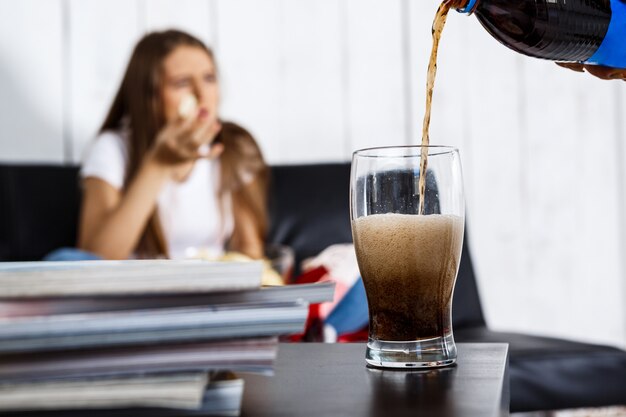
(138, 107)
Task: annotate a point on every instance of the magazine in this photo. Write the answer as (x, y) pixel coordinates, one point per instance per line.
(184, 391)
(311, 293)
(222, 397)
(71, 331)
(83, 278)
(255, 355)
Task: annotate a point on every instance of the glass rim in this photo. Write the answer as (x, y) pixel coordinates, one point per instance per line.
(437, 150)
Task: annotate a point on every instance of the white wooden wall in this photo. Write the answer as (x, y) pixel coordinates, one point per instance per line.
(543, 148)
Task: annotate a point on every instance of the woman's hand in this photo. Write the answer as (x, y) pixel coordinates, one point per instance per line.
(605, 73)
(184, 140)
(112, 222)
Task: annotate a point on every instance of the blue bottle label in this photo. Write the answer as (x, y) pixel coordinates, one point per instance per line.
(612, 51)
(468, 8)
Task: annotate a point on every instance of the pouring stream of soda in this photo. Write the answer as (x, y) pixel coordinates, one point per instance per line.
(437, 30)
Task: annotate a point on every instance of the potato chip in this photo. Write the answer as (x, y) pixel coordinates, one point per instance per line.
(188, 106)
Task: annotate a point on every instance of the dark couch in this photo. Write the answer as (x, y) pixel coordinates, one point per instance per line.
(309, 211)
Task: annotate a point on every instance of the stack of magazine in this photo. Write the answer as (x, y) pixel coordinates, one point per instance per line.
(140, 337)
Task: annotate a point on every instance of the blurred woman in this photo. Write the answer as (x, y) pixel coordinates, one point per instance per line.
(166, 177)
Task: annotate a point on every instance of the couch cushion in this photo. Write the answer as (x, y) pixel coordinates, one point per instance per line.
(39, 210)
(309, 207)
(549, 374)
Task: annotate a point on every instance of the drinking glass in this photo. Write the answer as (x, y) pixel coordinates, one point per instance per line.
(408, 250)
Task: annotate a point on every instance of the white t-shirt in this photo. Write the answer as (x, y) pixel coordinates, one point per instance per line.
(189, 211)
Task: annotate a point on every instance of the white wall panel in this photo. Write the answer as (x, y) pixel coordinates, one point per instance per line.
(494, 152)
(193, 16)
(375, 69)
(620, 157)
(551, 177)
(312, 93)
(250, 68)
(103, 35)
(280, 63)
(602, 215)
(570, 168)
(31, 81)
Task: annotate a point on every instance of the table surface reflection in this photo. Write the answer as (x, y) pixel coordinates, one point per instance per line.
(332, 380)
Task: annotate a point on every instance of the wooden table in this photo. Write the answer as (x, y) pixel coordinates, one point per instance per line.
(321, 380)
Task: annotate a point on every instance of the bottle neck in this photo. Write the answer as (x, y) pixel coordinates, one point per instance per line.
(466, 6)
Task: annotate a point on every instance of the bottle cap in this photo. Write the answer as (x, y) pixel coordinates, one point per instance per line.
(469, 7)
